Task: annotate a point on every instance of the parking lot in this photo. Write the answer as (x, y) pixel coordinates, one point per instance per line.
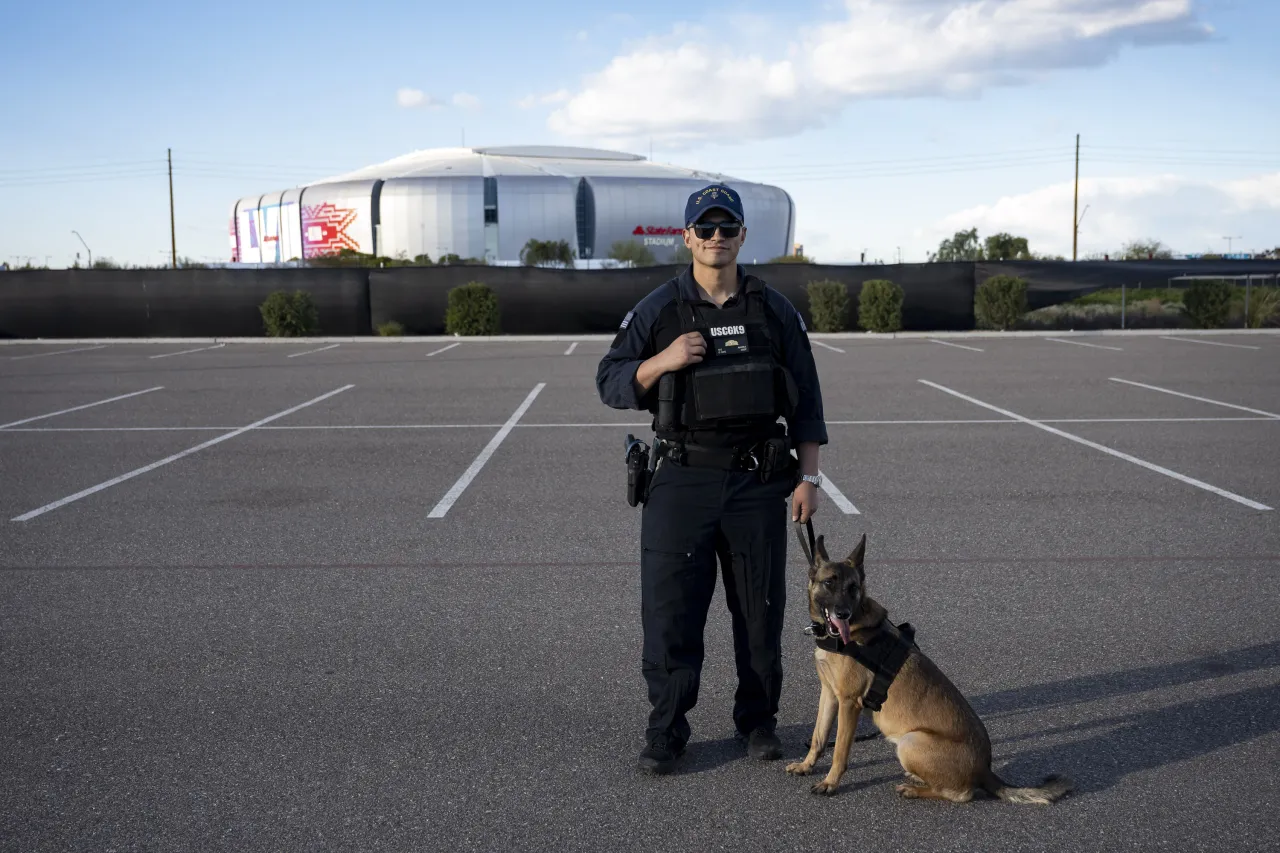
(385, 596)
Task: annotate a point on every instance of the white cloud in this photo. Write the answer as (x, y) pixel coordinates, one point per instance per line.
(1187, 215)
(682, 88)
(466, 101)
(559, 96)
(410, 98)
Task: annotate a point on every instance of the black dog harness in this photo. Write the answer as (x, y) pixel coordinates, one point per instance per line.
(883, 654)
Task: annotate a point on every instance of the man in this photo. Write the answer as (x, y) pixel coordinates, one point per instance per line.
(718, 357)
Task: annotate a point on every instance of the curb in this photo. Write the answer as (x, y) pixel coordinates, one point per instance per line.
(821, 336)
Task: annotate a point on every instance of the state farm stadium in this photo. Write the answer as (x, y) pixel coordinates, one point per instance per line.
(489, 202)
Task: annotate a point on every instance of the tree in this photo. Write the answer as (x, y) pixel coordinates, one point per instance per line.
(791, 259)
(633, 252)
(963, 246)
(683, 255)
(550, 252)
(1006, 247)
(1141, 250)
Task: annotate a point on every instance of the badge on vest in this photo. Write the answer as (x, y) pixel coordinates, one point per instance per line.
(729, 340)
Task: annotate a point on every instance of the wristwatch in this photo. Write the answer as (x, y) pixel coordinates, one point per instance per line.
(816, 479)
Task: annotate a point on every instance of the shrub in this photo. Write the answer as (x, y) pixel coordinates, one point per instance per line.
(1208, 303)
(543, 252)
(1000, 301)
(791, 259)
(632, 251)
(828, 305)
(290, 315)
(392, 329)
(473, 310)
(880, 306)
(1264, 303)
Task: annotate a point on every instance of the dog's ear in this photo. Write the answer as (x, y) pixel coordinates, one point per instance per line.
(855, 559)
(820, 552)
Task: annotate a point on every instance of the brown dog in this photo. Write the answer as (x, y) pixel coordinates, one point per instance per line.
(942, 744)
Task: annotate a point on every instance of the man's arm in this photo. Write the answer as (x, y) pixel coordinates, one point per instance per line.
(631, 368)
(807, 425)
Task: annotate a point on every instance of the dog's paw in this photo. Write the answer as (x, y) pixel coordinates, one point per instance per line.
(824, 787)
(799, 768)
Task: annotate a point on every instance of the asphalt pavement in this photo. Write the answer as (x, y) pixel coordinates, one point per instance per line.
(386, 597)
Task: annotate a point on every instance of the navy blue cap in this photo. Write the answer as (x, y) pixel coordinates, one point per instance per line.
(716, 195)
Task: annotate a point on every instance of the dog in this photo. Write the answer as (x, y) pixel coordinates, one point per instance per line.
(941, 743)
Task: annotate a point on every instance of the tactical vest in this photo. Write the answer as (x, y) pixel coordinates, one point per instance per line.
(741, 384)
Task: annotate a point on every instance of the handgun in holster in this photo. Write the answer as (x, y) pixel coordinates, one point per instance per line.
(637, 470)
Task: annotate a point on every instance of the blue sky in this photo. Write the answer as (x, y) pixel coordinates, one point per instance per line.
(891, 122)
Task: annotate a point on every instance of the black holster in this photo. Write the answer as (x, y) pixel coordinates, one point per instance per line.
(637, 470)
(775, 458)
(667, 416)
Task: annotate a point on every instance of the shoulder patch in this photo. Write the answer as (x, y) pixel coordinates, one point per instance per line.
(800, 319)
(626, 321)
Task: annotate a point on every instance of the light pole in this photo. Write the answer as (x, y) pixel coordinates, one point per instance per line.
(1229, 239)
(86, 248)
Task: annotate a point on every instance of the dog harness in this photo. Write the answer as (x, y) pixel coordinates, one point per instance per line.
(884, 654)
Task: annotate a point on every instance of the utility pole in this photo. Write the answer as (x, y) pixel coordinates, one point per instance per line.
(1075, 206)
(1229, 239)
(173, 231)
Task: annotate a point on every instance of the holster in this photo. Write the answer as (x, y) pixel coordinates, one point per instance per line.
(776, 458)
(637, 470)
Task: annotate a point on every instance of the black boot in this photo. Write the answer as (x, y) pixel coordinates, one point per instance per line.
(660, 756)
(763, 744)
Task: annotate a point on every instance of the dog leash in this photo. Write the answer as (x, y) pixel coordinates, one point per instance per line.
(811, 545)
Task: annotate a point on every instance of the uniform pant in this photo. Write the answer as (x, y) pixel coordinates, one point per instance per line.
(693, 517)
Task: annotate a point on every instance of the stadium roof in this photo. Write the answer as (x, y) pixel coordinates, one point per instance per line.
(521, 160)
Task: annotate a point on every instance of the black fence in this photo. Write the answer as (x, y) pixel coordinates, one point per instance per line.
(225, 302)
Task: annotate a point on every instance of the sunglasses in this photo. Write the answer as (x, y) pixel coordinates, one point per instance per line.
(706, 230)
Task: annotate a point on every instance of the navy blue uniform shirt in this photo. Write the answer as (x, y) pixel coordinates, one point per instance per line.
(654, 324)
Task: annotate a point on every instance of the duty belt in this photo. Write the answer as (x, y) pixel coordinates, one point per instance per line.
(746, 458)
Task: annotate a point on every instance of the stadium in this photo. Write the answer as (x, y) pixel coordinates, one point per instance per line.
(489, 202)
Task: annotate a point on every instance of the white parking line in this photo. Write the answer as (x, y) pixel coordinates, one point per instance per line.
(1116, 453)
(1194, 397)
(308, 352)
(175, 457)
(55, 352)
(1208, 343)
(185, 351)
(957, 346)
(78, 408)
(1082, 344)
(470, 474)
(837, 496)
(573, 346)
(442, 349)
(340, 427)
(828, 346)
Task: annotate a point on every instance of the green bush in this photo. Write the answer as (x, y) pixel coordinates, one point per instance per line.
(473, 310)
(880, 306)
(290, 315)
(1208, 303)
(1000, 301)
(632, 251)
(392, 329)
(1264, 304)
(828, 305)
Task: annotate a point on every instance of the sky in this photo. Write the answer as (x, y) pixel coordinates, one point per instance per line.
(892, 123)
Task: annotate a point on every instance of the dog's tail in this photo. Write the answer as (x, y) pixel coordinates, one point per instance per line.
(1053, 788)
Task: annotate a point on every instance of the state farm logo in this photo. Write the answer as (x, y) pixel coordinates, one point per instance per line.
(658, 235)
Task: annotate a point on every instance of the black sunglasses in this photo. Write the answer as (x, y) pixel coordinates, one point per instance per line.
(706, 230)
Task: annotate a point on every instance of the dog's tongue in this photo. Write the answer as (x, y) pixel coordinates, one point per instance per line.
(841, 626)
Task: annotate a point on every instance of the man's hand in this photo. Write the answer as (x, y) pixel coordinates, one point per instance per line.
(683, 351)
(804, 501)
